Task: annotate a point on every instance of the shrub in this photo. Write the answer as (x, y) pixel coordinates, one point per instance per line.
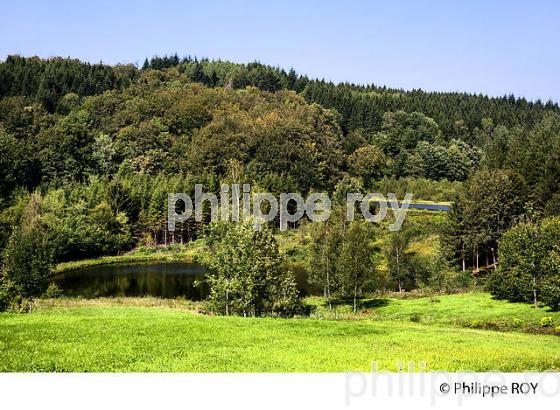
(415, 318)
(514, 285)
(11, 299)
(177, 247)
(475, 323)
(489, 325)
(53, 291)
(516, 322)
(547, 321)
(20, 304)
(146, 250)
(7, 294)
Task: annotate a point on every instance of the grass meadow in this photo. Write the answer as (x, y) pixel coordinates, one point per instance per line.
(148, 334)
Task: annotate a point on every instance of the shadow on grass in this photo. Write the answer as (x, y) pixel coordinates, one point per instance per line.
(373, 303)
(540, 305)
(343, 306)
(361, 303)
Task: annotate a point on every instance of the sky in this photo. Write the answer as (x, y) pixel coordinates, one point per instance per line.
(489, 47)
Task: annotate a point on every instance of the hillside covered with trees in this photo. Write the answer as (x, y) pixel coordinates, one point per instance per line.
(90, 151)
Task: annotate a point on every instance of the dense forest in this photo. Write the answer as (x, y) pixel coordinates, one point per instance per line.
(90, 152)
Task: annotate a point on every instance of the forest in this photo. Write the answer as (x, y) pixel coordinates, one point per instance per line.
(90, 152)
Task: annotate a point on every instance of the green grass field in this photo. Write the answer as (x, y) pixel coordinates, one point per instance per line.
(466, 309)
(158, 335)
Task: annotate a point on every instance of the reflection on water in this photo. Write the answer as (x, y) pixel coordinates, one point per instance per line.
(159, 279)
(167, 280)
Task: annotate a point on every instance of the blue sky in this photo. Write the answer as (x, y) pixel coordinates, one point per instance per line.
(490, 47)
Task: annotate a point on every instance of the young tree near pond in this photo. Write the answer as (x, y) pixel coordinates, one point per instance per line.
(356, 268)
(397, 258)
(529, 264)
(248, 275)
(323, 253)
(341, 257)
(28, 257)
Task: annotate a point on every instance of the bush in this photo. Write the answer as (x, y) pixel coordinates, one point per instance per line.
(176, 247)
(20, 304)
(146, 250)
(11, 299)
(514, 285)
(416, 318)
(490, 325)
(547, 321)
(7, 294)
(515, 322)
(53, 291)
(475, 324)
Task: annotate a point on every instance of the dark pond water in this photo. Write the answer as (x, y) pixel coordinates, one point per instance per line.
(166, 280)
(161, 279)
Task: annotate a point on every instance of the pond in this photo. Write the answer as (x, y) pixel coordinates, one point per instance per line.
(158, 279)
(431, 207)
(166, 280)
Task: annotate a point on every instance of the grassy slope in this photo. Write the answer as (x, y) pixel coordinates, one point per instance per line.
(105, 335)
(450, 310)
(463, 308)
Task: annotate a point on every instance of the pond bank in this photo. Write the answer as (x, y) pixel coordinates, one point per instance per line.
(192, 252)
